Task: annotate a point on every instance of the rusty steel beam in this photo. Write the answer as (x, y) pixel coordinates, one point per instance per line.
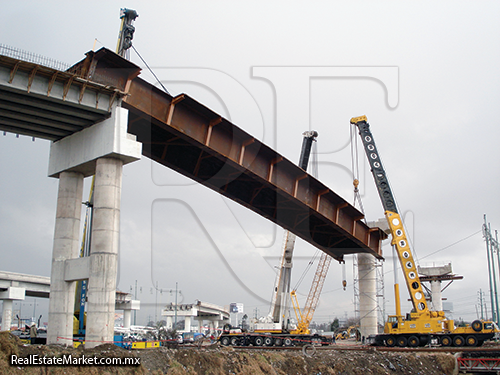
(184, 135)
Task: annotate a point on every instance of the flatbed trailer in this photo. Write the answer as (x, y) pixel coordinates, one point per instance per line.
(273, 339)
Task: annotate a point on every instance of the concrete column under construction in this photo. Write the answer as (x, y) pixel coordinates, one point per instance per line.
(367, 277)
(66, 246)
(104, 252)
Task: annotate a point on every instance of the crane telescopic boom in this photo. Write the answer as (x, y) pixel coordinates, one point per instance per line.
(399, 240)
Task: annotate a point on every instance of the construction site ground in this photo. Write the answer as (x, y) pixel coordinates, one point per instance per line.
(214, 359)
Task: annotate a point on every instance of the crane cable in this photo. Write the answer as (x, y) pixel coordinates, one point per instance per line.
(150, 70)
(355, 169)
(355, 182)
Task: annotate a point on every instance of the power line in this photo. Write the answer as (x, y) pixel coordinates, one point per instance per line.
(453, 244)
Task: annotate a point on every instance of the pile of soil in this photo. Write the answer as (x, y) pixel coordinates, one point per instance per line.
(217, 360)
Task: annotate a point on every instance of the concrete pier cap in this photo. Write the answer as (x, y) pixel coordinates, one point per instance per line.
(101, 149)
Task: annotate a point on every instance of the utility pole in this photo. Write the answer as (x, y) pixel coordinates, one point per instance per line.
(156, 302)
(481, 303)
(175, 309)
(135, 298)
(490, 245)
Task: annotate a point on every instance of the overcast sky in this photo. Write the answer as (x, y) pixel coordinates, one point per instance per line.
(425, 74)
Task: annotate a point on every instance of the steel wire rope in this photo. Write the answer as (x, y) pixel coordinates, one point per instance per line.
(355, 169)
(150, 70)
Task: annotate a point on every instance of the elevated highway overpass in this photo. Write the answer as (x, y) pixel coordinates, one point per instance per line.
(100, 113)
(182, 134)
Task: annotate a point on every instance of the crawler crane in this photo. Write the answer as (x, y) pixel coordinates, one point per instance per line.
(421, 326)
(276, 329)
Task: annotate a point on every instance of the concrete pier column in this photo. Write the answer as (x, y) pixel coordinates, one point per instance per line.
(200, 325)
(437, 300)
(216, 328)
(104, 252)
(170, 323)
(187, 324)
(66, 246)
(7, 314)
(127, 318)
(367, 295)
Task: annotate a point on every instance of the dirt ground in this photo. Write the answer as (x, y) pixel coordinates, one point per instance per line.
(215, 360)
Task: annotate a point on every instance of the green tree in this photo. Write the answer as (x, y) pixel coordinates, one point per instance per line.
(335, 324)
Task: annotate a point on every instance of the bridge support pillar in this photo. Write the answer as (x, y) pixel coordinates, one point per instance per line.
(7, 314)
(66, 246)
(127, 318)
(367, 277)
(12, 293)
(104, 252)
(187, 324)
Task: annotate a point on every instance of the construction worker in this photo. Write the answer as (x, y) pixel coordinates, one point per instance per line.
(33, 333)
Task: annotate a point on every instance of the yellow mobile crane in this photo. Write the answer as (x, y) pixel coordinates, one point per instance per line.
(421, 326)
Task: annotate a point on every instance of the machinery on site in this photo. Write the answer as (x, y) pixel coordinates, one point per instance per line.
(277, 329)
(421, 326)
(350, 332)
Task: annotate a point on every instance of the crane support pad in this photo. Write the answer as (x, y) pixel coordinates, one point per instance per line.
(184, 135)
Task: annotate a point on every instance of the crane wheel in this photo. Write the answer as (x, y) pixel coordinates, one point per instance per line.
(413, 341)
(458, 341)
(402, 341)
(258, 341)
(390, 341)
(268, 341)
(445, 341)
(471, 340)
(288, 341)
(477, 325)
(225, 341)
(278, 341)
(234, 341)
